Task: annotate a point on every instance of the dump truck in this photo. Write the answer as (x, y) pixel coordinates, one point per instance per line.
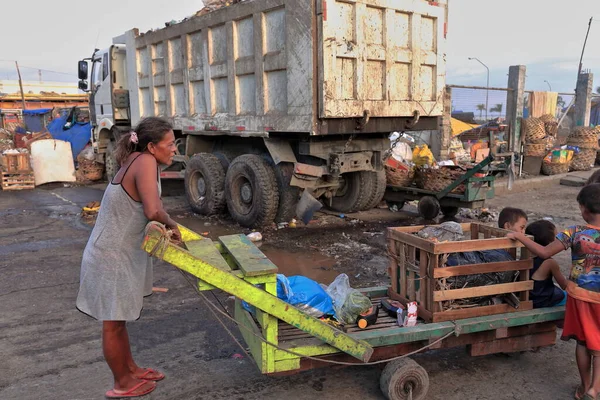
(278, 106)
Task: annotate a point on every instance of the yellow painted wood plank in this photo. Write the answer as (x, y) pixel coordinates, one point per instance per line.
(247, 256)
(206, 251)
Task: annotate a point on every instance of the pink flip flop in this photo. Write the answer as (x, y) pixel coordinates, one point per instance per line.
(150, 374)
(133, 392)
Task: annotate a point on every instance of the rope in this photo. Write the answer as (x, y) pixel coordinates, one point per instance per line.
(162, 245)
(163, 242)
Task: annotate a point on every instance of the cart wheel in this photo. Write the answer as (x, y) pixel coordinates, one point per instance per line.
(449, 212)
(404, 379)
(429, 207)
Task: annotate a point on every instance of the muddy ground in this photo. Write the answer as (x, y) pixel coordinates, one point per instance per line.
(49, 350)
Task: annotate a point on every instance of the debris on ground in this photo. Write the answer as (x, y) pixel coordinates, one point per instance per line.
(90, 212)
(255, 236)
(480, 214)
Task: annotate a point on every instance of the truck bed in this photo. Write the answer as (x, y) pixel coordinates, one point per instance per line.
(291, 66)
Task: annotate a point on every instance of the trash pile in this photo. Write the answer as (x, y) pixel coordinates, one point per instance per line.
(481, 214)
(337, 304)
(213, 5)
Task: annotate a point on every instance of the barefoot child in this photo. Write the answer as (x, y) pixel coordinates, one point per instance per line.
(545, 293)
(582, 314)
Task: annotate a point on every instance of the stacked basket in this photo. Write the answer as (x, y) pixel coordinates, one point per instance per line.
(540, 135)
(399, 177)
(586, 139)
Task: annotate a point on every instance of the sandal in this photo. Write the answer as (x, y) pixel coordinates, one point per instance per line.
(588, 397)
(578, 392)
(150, 374)
(136, 391)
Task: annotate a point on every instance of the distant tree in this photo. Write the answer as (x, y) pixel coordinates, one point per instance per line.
(481, 109)
(497, 108)
(598, 90)
(561, 102)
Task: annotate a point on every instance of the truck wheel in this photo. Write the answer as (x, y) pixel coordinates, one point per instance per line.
(429, 207)
(288, 195)
(251, 191)
(449, 212)
(378, 185)
(404, 379)
(204, 184)
(110, 162)
(353, 193)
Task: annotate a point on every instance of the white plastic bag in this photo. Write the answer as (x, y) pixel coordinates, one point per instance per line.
(348, 303)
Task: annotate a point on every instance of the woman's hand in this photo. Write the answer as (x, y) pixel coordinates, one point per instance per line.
(175, 233)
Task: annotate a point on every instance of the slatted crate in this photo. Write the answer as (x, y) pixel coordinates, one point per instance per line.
(17, 181)
(416, 270)
(16, 163)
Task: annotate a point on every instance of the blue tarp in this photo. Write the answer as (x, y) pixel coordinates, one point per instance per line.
(40, 111)
(78, 135)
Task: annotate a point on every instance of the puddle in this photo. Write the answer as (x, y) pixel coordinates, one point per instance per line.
(312, 265)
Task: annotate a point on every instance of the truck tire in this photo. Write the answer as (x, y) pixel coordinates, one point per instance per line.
(354, 194)
(378, 184)
(205, 184)
(111, 167)
(251, 191)
(288, 195)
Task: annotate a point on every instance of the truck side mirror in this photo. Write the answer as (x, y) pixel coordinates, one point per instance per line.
(83, 85)
(82, 67)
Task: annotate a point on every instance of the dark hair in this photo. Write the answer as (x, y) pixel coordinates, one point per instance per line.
(543, 232)
(589, 197)
(595, 178)
(149, 130)
(510, 215)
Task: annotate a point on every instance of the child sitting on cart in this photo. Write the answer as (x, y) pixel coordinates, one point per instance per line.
(582, 314)
(545, 293)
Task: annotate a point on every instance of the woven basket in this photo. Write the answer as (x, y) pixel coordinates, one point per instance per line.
(399, 177)
(550, 168)
(533, 129)
(584, 160)
(547, 118)
(535, 150)
(584, 135)
(436, 180)
(551, 128)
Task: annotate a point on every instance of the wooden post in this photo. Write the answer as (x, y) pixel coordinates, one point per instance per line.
(21, 86)
(514, 105)
(445, 125)
(583, 99)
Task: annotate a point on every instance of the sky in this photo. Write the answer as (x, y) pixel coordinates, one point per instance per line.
(546, 36)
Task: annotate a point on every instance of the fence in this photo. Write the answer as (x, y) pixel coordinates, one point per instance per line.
(484, 103)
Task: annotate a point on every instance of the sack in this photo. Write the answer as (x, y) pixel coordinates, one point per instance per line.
(304, 294)
(348, 303)
(422, 156)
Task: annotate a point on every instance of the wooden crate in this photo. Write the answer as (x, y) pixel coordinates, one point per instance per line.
(16, 163)
(416, 268)
(18, 181)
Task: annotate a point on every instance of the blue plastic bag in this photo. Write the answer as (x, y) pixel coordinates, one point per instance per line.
(304, 294)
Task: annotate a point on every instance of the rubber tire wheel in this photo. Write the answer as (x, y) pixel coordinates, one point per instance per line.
(111, 167)
(398, 375)
(357, 193)
(377, 189)
(399, 204)
(449, 212)
(265, 196)
(288, 195)
(429, 207)
(209, 167)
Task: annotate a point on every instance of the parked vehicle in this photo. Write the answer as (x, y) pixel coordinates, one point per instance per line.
(271, 99)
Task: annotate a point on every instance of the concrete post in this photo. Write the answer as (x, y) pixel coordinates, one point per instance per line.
(445, 125)
(514, 105)
(583, 99)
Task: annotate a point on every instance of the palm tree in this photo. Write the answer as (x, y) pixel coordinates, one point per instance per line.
(497, 108)
(561, 102)
(598, 90)
(481, 109)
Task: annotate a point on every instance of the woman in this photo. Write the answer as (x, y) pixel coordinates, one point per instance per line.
(116, 273)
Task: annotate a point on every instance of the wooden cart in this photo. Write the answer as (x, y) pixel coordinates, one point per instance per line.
(477, 191)
(283, 340)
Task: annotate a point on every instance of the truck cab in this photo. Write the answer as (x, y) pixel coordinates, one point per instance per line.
(110, 112)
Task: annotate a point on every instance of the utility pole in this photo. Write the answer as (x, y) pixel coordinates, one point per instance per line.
(487, 90)
(21, 86)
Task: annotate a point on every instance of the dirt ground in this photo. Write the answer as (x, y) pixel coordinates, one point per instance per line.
(52, 351)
